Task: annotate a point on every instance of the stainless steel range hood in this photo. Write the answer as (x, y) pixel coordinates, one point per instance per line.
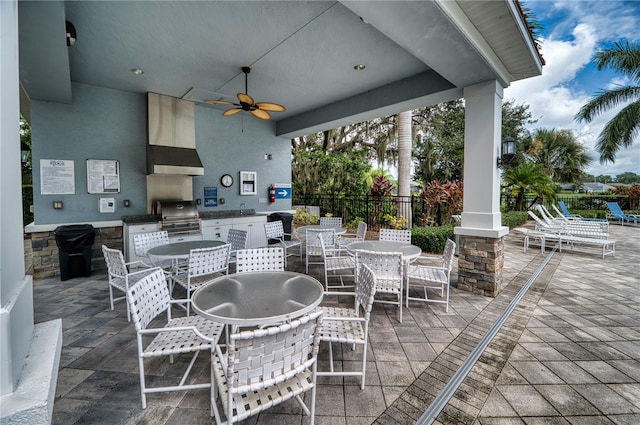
(173, 160)
(172, 140)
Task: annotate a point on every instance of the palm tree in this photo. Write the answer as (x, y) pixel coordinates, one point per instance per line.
(561, 156)
(528, 178)
(620, 132)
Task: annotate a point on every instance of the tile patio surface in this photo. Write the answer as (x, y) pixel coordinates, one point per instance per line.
(568, 354)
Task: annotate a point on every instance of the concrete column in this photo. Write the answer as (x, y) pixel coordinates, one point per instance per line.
(29, 355)
(480, 234)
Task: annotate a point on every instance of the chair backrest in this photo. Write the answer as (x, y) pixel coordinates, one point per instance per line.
(543, 213)
(143, 242)
(385, 265)
(616, 210)
(260, 259)
(365, 290)
(318, 239)
(204, 261)
(265, 357)
(274, 230)
(560, 214)
(331, 221)
(564, 209)
(148, 298)
(115, 262)
(361, 232)
(449, 253)
(237, 238)
(537, 219)
(395, 235)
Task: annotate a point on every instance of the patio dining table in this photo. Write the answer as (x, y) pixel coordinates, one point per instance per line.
(258, 298)
(302, 230)
(180, 250)
(409, 252)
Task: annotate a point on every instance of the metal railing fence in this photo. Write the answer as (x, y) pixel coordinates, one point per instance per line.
(377, 211)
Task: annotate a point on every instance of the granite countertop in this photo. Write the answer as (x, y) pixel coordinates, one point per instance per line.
(204, 215)
(141, 219)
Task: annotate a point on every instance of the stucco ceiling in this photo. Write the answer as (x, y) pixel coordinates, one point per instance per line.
(302, 53)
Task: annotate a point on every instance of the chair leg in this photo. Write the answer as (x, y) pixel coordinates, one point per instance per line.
(111, 296)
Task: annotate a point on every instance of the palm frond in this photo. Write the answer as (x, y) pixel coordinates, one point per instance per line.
(607, 99)
(623, 57)
(620, 132)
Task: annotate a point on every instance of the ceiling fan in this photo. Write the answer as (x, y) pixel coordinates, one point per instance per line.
(246, 103)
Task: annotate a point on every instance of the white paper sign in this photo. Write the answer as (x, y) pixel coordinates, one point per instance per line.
(57, 177)
(103, 176)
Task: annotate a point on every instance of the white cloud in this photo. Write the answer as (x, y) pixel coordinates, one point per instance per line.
(554, 97)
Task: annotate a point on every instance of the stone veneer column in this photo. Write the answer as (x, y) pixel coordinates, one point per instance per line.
(480, 263)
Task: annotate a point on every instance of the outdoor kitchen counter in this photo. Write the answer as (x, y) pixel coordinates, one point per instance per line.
(204, 215)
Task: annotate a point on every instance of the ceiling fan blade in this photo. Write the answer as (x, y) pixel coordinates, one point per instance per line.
(259, 113)
(245, 98)
(221, 102)
(230, 112)
(273, 107)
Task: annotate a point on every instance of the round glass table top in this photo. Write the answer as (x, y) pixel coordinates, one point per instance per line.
(303, 229)
(408, 251)
(258, 298)
(181, 249)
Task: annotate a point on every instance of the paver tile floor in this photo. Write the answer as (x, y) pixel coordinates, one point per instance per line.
(568, 354)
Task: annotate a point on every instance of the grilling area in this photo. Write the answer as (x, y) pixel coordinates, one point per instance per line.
(179, 218)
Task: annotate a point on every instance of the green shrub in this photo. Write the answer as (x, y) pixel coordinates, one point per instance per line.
(431, 239)
(514, 218)
(590, 213)
(303, 217)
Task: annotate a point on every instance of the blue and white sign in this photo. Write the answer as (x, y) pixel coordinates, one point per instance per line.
(283, 190)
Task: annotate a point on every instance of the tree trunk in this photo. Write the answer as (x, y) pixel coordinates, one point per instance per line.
(404, 164)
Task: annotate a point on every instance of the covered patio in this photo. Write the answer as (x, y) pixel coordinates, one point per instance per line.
(569, 352)
(81, 73)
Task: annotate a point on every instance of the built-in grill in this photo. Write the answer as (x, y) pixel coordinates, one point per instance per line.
(179, 218)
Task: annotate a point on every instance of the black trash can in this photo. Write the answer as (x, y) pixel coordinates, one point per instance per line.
(287, 222)
(75, 244)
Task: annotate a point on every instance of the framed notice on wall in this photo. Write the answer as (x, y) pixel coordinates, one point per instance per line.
(103, 176)
(57, 177)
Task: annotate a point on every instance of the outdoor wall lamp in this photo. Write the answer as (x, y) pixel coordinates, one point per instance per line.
(24, 152)
(72, 35)
(508, 152)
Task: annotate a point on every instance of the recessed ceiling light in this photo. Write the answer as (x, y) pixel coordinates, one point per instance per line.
(359, 67)
(137, 71)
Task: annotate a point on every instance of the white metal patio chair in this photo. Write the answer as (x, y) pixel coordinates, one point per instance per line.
(260, 259)
(395, 235)
(389, 269)
(265, 367)
(347, 238)
(119, 275)
(331, 221)
(147, 299)
(238, 240)
(313, 248)
(334, 262)
(429, 277)
(274, 230)
(347, 325)
(203, 266)
(143, 242)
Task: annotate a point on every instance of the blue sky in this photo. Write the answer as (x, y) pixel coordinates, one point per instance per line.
(573, 31)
